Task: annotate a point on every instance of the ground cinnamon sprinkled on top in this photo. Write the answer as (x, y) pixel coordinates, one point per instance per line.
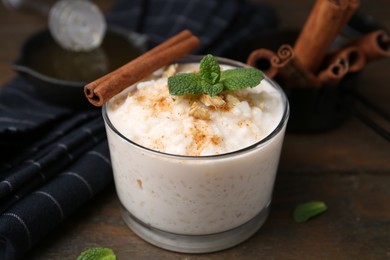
(194, 125)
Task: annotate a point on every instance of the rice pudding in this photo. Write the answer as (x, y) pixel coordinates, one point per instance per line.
(195, 164)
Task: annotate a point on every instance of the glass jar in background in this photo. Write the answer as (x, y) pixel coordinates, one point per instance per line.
(76, 25)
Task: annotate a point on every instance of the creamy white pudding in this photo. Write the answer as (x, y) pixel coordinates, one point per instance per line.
(195, 165)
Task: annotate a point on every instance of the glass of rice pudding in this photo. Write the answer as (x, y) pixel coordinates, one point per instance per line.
(195, 173)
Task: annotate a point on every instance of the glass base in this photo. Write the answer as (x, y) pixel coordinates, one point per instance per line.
(195, 243)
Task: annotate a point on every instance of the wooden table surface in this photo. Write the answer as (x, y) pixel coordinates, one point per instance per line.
(348, 168)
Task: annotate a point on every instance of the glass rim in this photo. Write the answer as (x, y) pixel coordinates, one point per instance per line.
(196, 58)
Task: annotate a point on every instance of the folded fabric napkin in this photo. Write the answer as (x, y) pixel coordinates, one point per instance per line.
(55, 159)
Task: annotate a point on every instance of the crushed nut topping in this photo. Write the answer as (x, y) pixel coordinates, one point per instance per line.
(232, 100)
(215, 101)
(199, 112)
(170, 70)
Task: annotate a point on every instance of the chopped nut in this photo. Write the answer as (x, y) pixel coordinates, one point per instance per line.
(199, 112)
(170, 70)
(215, 101)
(232, 100)
(261, 106)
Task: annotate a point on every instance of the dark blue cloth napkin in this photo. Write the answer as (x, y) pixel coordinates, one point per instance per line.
(221, 25)
(54, 159)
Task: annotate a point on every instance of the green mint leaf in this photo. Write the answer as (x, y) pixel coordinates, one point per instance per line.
(241, 78)
(209, 69)
(303, 212)
(97, 253)
(211, 80)
(184, 83)
(211, 90)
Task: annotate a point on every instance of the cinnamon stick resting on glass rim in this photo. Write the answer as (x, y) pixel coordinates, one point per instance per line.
(101, 90)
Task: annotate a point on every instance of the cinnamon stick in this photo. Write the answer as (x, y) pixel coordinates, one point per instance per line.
(321, 27)
(261, 59)
(353, 55)
(101, 90)
(351, 8)
(289, 69)
(374, 45)
(285, 54)
(333, 74)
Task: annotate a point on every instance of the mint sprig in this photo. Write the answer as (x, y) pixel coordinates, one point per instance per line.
(211, 80)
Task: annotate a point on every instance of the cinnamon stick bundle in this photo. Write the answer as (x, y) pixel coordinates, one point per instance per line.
(101, 90)
(320, 29)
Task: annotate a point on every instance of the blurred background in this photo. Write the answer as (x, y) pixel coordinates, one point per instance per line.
(16, 27)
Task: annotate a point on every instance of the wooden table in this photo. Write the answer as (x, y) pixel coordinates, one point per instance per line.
(348, 168)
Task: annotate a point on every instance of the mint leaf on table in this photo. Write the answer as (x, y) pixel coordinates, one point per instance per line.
(211, 80)
(97, 253)
(303, 212)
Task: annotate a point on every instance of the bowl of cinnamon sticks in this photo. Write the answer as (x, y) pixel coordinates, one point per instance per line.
(318, 65)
